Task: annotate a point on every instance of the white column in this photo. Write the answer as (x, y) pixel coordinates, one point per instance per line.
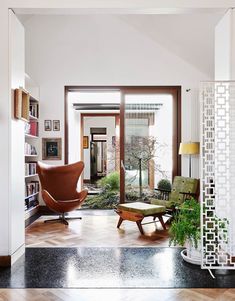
(4, 134)
(225, 71)
(11, 151)
(225, 47)
(17, 172)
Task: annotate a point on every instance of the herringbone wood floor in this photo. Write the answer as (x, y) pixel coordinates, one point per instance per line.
(94, 231)
(117, 295)
(102, 231)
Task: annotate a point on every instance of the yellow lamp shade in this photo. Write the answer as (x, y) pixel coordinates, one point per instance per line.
(189, 148)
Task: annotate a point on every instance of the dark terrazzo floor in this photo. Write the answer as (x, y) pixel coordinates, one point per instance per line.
(108, 268)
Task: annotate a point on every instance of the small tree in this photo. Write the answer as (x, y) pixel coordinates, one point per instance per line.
(139, 152)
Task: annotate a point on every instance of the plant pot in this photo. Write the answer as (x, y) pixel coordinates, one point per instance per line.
(192, 254)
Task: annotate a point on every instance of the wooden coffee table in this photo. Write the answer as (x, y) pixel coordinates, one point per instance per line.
(137, 211)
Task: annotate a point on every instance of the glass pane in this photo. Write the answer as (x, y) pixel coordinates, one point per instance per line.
(148, 143)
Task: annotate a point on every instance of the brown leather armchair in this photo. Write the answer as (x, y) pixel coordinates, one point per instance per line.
(59, 188)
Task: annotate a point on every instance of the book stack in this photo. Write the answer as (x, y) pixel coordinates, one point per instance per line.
(33, 110)
(31, 128)
(31, 202)
(27, 128)
(29, 149)
(30, 168)
(31, 188)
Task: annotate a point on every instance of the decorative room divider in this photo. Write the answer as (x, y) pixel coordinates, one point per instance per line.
(218, 174)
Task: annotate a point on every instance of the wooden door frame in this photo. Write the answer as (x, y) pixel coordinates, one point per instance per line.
(174, 90)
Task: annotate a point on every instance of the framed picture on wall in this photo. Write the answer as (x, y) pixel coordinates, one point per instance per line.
(47, 125)
(85, 142)
(56, 125)
(51, 149)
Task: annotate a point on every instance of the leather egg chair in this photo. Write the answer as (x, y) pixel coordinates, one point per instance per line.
(59, 188)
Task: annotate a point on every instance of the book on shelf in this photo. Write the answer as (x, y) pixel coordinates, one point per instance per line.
(30, 168)
(31, 128)
(29, 149)
(31, 202)
(31, 188)
(33, 110)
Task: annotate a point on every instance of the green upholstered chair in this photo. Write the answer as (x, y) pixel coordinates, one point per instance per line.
(182, 189)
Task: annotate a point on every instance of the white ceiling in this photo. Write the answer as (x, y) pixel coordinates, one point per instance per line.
(189, 36)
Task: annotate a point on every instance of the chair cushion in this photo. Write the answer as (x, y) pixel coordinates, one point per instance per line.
(180, 184)
(186, 185)
(142, 208)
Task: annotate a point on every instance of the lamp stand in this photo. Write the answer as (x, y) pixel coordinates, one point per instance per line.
(190, 166)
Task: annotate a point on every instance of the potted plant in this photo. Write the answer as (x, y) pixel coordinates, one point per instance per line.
(164, 184)
(185, 230)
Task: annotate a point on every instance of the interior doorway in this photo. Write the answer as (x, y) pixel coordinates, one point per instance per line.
(98, 153)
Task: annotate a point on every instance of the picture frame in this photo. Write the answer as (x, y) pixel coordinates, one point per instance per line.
(85, 142)
(51, 148)
(56, 125)
(47, 125)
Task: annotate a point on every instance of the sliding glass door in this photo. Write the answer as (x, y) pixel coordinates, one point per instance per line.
(150, 132)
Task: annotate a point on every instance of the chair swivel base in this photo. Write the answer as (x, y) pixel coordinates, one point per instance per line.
(61, 219)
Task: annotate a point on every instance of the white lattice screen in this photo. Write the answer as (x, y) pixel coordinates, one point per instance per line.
(218, 174)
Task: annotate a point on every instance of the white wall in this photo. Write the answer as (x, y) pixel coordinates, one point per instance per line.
(223, 47)
(104, 50)
(74, 135)
(99, 122)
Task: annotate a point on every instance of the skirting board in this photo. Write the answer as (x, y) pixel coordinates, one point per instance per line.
(9, 260)
(45, 210)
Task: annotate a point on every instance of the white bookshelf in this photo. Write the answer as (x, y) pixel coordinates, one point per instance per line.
(31, 147)
(31, 176)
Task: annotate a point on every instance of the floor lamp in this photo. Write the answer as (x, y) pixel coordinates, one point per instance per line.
(189, 148)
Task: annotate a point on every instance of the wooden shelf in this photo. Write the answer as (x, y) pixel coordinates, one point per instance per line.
(31, 195)
(21, 104)
(33, 99)
(33, 117)
(29, 176)
(31, 156)
(31, 136)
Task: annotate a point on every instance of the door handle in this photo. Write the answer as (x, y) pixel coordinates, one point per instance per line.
(123, 166)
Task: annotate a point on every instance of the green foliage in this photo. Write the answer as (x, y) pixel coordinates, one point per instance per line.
(111, 182)
(186, 225)
(132, 195)
(105, 200)
(164, 184)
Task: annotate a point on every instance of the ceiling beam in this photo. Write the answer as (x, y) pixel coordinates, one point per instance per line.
(118, 6)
